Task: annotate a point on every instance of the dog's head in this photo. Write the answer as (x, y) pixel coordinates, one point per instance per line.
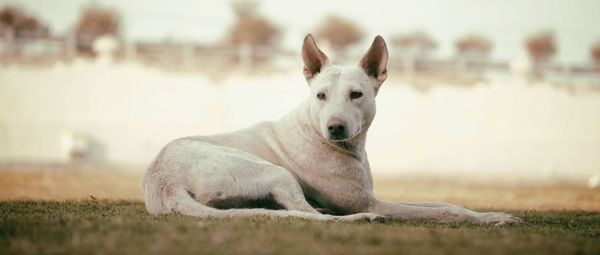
(343, 97)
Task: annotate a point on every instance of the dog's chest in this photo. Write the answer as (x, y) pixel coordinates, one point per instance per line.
(333, 180)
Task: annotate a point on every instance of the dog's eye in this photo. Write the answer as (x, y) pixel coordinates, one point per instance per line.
(355, 94)
(321, 96)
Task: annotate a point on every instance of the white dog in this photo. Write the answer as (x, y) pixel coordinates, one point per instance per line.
(315, 153)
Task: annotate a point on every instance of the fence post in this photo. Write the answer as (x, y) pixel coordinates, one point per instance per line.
(130, 51)
(408, 63)
(71, 45)
(9, 37)
(245, 56)
(188, 55)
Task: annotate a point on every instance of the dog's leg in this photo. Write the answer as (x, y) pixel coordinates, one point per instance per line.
(292, 199)
(432, 204)
(289, 194)
(439, 212)
(182, 203)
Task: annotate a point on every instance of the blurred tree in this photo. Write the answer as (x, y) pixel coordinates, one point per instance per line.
(252, 34)
(339, 32)
(418, 39)
(250, 28)
(595, 52)
(414, 46)
(541, 47)
(22, 25)
(473, 47)
(95, 21)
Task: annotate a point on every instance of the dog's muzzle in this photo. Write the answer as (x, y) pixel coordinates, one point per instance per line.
(337, 129)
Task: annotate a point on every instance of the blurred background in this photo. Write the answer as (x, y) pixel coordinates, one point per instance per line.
(478, 91)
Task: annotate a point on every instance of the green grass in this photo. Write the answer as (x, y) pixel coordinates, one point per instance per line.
(109, 227)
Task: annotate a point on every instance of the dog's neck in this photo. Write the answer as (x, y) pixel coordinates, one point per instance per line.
(301, 121)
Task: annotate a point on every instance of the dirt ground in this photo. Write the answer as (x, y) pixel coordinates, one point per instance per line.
(82, 182)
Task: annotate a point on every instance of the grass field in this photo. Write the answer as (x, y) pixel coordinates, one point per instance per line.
(60, 210)
(120, 227)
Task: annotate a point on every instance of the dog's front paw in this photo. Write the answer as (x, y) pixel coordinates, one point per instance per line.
(499, 218)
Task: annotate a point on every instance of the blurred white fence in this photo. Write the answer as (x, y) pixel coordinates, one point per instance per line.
(167, 54)
(504, 128)
(187, 56)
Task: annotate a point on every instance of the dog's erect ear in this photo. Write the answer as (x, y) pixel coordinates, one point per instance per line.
(374, 62)
(314, 58)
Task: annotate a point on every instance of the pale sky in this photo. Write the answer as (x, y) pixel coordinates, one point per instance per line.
(507, 22)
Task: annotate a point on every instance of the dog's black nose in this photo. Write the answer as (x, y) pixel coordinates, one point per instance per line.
(337, 129)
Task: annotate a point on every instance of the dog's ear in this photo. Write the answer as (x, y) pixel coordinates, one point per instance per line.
(374, 62)
(314, 59)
